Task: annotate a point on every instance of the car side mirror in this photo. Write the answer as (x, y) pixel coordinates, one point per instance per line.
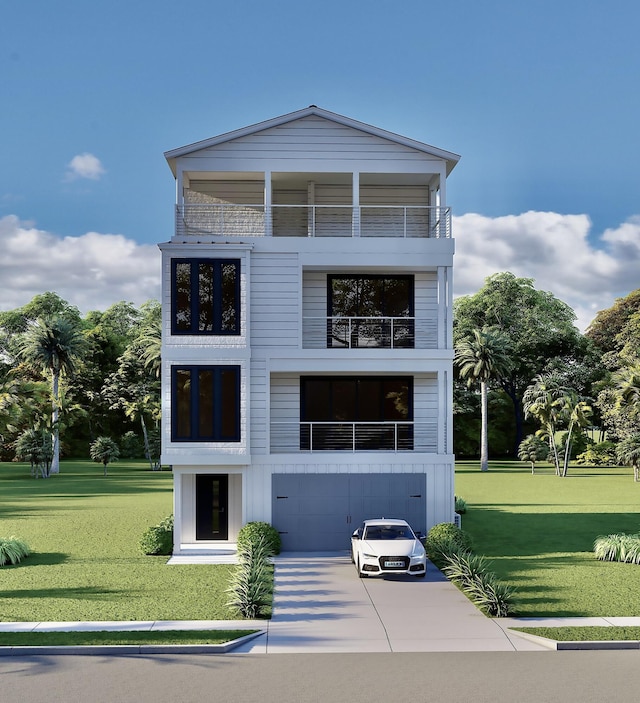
(356, 534)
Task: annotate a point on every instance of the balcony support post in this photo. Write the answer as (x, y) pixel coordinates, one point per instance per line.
(355, 217)
(268, 222)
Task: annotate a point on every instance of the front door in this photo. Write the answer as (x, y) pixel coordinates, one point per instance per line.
(212, 504)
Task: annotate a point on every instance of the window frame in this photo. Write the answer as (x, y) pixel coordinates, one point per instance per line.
(218, 404)
(194, 309)
(410, 278)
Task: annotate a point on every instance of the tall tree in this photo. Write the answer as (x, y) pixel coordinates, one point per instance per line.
(483, 357)
(539, 327)
(53, 346)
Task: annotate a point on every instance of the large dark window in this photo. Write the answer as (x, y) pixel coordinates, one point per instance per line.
(205, 404)
(368, 311)
(205, 296)
(356, 413)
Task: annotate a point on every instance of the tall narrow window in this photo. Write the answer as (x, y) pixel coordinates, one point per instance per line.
(205, 404)
(205, 296)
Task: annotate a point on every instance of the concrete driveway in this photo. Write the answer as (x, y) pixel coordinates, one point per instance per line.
(322, 606)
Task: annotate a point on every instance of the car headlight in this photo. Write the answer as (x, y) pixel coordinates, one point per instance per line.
(369, 556)
(417, 552)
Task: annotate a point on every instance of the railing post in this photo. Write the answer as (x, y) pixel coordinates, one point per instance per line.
(404, 221)
(353, 437)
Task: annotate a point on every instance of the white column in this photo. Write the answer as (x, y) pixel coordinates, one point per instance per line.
(268, 220)
(177, 511)
(355, 218)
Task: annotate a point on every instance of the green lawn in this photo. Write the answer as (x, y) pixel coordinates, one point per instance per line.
(103, 637)
(84, 530)
(584, 634)
(538, 531)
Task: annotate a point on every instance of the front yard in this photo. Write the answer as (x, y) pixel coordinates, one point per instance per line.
(538, 531)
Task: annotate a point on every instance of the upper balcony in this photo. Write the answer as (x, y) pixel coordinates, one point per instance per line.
(233, 220)
(311, 205)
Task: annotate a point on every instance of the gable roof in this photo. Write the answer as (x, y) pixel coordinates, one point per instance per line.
(451, 158)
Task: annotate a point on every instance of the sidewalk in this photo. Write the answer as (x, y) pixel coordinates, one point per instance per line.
(321, 606)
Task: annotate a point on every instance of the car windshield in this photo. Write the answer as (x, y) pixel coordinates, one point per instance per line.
(388, 532)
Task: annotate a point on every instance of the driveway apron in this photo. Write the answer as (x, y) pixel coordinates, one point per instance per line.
(321, 605)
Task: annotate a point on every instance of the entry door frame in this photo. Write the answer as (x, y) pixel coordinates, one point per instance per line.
(212, 507)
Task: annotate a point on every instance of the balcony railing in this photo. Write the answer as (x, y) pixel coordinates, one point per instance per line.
(231, 220)
(368, 333)
(288, 437)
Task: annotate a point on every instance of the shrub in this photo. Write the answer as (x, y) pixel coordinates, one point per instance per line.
(618, 547)
(471, 573)
(251, 586)
(13, 550)
(158, 540)
(460, 505)
(601, 454)
(445, 538)
(252, 532)
(131, 446)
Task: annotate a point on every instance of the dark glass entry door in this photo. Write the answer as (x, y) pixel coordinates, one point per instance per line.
(212, 503)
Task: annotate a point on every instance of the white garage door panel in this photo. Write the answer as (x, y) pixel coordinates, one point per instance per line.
(318, 512)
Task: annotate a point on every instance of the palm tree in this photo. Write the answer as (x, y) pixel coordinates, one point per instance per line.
(532, 449)
(543, 400)
(104, 450)
(578, 413)
(53, 345)
(628, 452)
(481, 358)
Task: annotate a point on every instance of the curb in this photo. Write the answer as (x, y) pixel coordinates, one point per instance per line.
(120, 649)
(577, 645)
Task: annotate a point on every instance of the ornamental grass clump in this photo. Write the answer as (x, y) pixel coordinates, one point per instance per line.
(13, 550)
(618, 547)
(251, 587)
(471, 574)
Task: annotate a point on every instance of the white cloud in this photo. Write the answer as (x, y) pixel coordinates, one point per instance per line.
(85, 166)
(95, 270)
(553, 249)
(91, 271)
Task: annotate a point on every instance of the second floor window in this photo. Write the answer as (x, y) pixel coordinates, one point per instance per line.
(205, 296)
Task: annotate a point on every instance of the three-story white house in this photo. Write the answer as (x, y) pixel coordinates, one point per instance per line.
(307, 333)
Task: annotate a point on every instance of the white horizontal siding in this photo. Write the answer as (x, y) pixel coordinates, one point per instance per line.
(393, 195)
(275, 300)
(310, 139)
(258, 406)
(238, 192)
(426, 309)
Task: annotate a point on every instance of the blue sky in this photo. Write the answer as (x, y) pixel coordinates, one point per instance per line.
(540, 99)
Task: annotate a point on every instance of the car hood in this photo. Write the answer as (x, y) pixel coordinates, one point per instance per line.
(390, 548)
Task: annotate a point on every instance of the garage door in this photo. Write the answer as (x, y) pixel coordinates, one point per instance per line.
(318, 512)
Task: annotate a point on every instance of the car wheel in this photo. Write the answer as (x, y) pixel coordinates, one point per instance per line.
(361, 574)
(353, 561)
(421, 575)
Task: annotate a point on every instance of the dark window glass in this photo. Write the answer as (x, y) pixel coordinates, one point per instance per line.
(206, 296)
(364, 311)
(361, 413)
(205, 403)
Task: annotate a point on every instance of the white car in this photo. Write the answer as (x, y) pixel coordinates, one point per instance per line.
(387, 547)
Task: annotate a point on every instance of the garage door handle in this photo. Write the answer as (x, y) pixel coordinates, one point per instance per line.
(281, 497)
(416, 496)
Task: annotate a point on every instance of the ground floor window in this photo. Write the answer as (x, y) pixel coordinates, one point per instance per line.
(205, 403)
(356, 413)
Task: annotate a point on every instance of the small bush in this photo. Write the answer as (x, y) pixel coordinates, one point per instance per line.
(158, 540)
(131, 446)
(618, 547)
(251, 586)
(13, 550)
(460, 505)
(252, 532)
(601, 454)
(445, 538)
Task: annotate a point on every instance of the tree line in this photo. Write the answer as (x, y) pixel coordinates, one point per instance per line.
(528, 383)
(67, 381)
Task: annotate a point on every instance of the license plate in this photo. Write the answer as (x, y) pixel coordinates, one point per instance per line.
(393, 564)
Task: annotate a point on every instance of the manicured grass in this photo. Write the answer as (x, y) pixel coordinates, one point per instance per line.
(66, 639)
(83, 530)
(583, 634)
(538, 531)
